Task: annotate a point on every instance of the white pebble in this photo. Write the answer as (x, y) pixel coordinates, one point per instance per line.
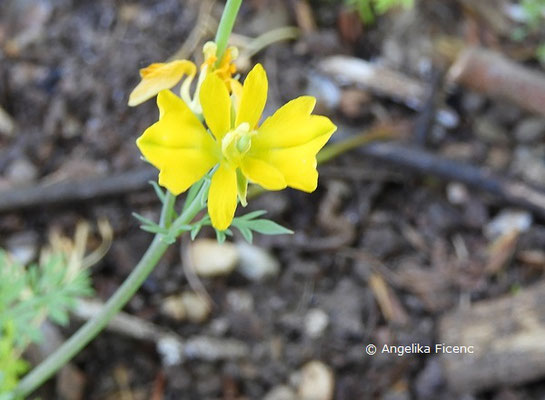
(212, 259)
(316, 322)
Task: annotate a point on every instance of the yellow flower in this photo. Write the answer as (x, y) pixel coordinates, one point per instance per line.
(161, 76)
(226, 68)
(279, 153)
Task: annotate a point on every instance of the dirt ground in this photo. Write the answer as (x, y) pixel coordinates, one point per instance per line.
(380, 253)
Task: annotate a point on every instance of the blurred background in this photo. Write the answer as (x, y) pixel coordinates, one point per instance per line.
(433, 232)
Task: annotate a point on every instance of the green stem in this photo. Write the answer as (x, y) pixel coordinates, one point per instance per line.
(142, 270)
(335, 149)
(226, 25)
(270, 37)
(167, 213)
(123, 294)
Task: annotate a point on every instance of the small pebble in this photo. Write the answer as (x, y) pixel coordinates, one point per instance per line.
(23, 247)
(170, 351)
(473, 102)
(212, 259)
(448, 118)
(173, 307)
(489, 131)
(457, 193)
(529, 163)
(317, 382)
(530, 130)
(196, 307)
(21, 172)
(507, 221)
(325, 90)
(316, 322)
(281, 392)
(256, 264)
(240, 301)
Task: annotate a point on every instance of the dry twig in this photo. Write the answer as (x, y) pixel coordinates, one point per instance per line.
(498, 77)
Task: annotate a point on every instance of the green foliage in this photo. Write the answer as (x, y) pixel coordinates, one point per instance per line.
(28, 296)
(534, 13)
(11, 366)
(247, 224)
(368, 8)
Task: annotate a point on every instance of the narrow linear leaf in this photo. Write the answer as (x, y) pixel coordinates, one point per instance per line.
(144, 220)
(267, 227)
(153, 229)
(246, 234)
(158, 191)
(195, 231)
(252, 215)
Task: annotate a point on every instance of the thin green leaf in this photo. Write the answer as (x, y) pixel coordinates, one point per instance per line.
(153, 229)
(267, 227)
(246, 234)
(252, 215)
(144, 220)
(158, 191)
(195, 231)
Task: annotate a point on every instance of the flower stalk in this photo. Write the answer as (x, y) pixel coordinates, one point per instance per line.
(222, 149)
(123, 294)
(193, 205)
(226, 25)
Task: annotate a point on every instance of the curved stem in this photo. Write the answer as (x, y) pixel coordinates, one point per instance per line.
(92, 327)
(142, 270)
(226, 25)
(167, 212)
(270, 37)
(123, 294)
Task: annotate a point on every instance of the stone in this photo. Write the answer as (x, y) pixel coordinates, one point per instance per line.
(211, 259)
(317, 382)
(21, 172)
(281, 392)
(529, 163)
(507, 221)
(256, 264)
(173, 307)
(316, 322)
(23, 247)
(530, 130)
(170, 350)
(457, 193)
(240, 301)
(196, 307)
(490, 131)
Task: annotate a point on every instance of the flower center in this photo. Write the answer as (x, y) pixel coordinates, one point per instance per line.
(236, 143)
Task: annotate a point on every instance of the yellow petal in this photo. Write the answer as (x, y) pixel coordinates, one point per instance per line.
(222, 197)
(263, 173)
(292, 125)
(289, 141)
(178, 145)
(160, 76)
(254, 96)
(236, 90)
(298, 164)
(216, 105)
